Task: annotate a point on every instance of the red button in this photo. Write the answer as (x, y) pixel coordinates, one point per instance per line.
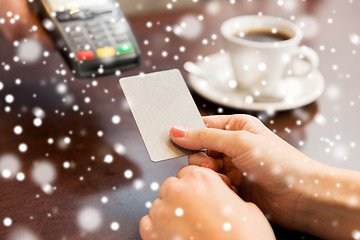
(84, 55)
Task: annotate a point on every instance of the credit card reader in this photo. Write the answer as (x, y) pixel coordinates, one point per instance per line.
(93, 35)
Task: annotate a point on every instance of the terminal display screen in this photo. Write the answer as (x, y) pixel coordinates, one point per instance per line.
(71, 5)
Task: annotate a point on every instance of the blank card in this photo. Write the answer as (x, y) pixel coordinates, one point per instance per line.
(159, 101)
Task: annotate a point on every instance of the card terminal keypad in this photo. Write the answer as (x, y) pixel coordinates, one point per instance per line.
(104, 36)
(93, 35)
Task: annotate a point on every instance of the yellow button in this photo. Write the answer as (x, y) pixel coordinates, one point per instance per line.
(106, 52)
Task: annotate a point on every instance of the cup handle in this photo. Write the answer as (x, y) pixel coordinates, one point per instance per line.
(308, 54)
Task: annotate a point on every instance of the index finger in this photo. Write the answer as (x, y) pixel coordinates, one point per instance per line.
(192, 169)
(165, 185)
(217, 121)
(235, 122)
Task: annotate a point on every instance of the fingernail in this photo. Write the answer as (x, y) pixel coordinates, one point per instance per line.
(205, 165)
(178, 132)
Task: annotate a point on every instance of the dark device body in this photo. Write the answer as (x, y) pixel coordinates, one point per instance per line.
(94, 36)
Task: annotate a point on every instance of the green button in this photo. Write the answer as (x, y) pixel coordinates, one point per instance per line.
(125, 48)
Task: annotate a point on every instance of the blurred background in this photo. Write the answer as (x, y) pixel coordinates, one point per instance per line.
(78, 136)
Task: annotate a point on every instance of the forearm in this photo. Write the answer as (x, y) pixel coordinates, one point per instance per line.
(330, 203)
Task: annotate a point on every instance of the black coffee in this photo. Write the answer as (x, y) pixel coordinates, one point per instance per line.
(263, 35)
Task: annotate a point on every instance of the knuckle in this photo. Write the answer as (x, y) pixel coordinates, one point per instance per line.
(203, 133)
(142, 223)
(203, 136)
(242, 136)
(155, 205)
(192, 159)
(241, 120)
(190, 168)
(144, 228)
(168, 183)
(196, 156)
(252, 206)
(247, 117)
(161, 213)
(243, 142)
(174, 189)
(200, 173)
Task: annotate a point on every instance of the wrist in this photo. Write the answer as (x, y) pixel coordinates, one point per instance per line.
(310, 197)
(329, 200)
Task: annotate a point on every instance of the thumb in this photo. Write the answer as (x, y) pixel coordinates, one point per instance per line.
(207, 138)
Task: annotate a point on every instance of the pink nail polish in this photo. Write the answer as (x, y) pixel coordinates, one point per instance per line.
(178, 132)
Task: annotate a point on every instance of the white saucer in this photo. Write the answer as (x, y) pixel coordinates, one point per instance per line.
(299, 91)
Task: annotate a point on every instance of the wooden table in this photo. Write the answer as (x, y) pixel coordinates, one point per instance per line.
(68, 129)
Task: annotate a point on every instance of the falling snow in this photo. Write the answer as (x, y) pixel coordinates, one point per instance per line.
(356, 234)
(108, 158)
(29, 50)
(67, 140)
(188, 27)
(23, 147)
(20, 176)
(43, 172)
(337, 144)
(128, 174)
(149, 24)
(9, 165)
(138, 184)
(154, 186)
(7, 222)
(9, 98)
(38, 112)
(320, 119)
(179, 212)
(227, 227)
(18, 130)
(354, 39)
(148, 204)
(115, 226)
(116, 119)
(61, 88)
(89, 219)
(66, 164)
(104, 199)
(120, 148)
(37, 122)
(22, 233)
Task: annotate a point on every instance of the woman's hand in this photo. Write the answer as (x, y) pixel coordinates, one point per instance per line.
(265, 169)
(198, 204)
(292, 190)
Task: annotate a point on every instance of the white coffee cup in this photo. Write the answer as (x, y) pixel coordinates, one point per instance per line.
(261, 67)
